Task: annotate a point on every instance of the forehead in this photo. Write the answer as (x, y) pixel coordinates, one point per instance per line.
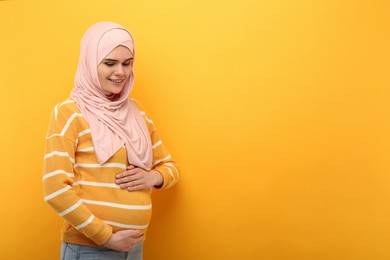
(119, 53)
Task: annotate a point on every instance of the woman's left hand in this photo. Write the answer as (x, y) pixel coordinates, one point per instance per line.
(135, 178)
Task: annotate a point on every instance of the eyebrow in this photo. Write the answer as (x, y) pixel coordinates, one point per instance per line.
(118, 60)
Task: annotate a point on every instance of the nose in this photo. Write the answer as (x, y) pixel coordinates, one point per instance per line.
(119, 70)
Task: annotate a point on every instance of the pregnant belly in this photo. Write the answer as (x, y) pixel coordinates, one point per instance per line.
(119, 208)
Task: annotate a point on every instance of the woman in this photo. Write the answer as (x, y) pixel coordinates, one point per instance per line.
(103, 154)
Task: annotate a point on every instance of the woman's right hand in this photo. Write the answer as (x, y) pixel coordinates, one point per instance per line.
(124, 240)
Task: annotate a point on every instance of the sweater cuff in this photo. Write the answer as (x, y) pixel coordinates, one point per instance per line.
(103, 235)
(164, 174)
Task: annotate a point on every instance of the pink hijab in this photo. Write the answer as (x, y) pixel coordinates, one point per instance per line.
(114, 120)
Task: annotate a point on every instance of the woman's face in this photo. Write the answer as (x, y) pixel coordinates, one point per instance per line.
(115, 70)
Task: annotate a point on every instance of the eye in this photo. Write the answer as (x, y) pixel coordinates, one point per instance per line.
(109, 64)
(127, 63)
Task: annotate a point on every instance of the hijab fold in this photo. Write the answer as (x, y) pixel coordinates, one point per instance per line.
(114, 120)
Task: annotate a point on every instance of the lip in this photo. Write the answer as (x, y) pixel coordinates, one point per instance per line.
(116, 81)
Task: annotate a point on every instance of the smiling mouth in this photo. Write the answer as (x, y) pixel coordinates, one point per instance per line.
(117, 80)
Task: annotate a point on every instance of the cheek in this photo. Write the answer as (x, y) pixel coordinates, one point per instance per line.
(128, 73)
(101, 79)
(102, 76)
(100, 72)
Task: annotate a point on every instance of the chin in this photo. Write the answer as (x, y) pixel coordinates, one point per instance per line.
(113, 90)
(116, 92)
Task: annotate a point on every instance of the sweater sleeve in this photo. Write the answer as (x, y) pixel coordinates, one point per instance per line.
(162, 159)
(163, 162)
(58, 177)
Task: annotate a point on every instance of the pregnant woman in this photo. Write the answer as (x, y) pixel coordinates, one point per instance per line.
(103, 155)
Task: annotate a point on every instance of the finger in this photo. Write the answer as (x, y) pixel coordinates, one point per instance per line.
(129, 184)
(136, 177)
(138, 236)
(139, 239)
(129, 167)
(126, 173)
(125, 180)
(126, 185)
(130, 232)
(136, 186)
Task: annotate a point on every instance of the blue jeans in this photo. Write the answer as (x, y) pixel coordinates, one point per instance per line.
(71, 251)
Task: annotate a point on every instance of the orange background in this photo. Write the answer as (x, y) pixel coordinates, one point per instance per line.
(277, 113)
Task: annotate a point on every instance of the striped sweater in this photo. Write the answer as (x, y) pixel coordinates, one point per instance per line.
(84, 192)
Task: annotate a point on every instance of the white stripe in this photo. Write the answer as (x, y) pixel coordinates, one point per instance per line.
(97, 184)
(48, 137)
(85, 223)
(149, 120)
(56, 112)
(66, 102)
(63, 213)
(174, 167)
(170, 171)
(157, 144)
(60, 105)
(105, 165)
(50, 174)
(166, 158)
(146, 117)
(170, 164)
(54, 194)
(116, 205)
(124, 225)
(86, 149)
(69, 122)
(59, 154)
(174, 179)
(63, 131)
(86, 131)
